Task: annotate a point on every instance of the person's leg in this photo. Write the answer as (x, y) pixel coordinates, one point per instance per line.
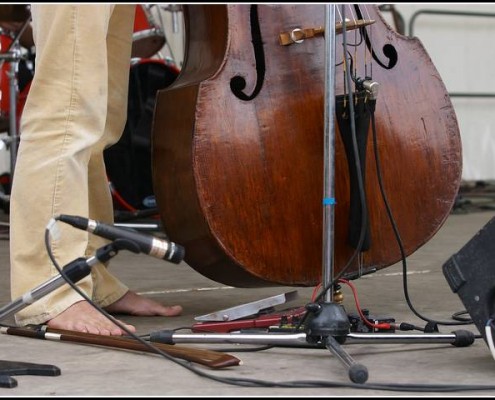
(63, 118)
(108, 291)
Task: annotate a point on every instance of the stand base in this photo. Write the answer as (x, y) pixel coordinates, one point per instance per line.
(328, 323)
(327, 326)
(8, 368)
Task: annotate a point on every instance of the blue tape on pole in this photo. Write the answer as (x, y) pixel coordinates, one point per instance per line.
(329, 201)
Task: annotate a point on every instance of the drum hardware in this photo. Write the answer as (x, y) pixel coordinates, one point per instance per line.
(139, 226)
(148, 38)
(174, 9)
(128, 161)
(156, 11)
(13, 55)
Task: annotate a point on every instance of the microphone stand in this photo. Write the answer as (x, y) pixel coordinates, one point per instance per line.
(75, 270)
(329, 319)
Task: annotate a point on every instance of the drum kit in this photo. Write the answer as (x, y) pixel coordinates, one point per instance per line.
(128, 161)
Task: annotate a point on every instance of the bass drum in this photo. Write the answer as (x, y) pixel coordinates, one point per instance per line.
(128, 162)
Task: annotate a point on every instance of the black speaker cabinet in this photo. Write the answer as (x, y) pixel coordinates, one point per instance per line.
(471, 274)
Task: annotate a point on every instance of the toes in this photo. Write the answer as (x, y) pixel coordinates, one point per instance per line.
(173, 311)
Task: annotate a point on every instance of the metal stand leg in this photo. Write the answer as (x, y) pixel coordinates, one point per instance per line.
(330, 322)
(461, 338)
(358, 373)
(8, 368)
(318, 335)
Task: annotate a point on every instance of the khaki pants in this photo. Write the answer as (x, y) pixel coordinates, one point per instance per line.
(76, 106)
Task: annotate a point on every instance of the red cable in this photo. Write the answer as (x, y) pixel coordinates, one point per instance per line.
(120, 199)
(315, 291)
(382, 325)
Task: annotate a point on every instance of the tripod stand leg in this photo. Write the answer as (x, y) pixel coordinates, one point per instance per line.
(460, 338)
(358, 373)
(8, 368)
(326, 323)
(7, 381)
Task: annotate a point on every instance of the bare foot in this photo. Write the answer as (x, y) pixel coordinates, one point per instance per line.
(83, 317)
(133, 304)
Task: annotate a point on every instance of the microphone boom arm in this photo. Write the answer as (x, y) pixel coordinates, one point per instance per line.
(75, 271)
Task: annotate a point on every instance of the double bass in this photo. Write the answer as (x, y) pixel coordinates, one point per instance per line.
(237, 155)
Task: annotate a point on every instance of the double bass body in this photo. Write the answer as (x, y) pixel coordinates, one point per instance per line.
(238, 147)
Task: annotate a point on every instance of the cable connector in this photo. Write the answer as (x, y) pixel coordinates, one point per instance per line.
(404, 326)
(374, 324)
(163, 336)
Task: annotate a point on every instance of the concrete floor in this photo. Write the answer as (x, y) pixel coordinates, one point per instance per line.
(89, 370)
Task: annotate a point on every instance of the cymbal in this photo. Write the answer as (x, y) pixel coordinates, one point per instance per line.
(14, 12)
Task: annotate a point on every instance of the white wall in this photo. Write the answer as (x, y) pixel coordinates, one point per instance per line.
(463, 50)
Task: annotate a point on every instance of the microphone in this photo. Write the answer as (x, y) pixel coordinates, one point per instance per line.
(159, 248)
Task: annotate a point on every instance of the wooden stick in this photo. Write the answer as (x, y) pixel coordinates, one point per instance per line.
(209, 358)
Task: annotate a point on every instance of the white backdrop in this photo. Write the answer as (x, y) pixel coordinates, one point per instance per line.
(463, 50)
